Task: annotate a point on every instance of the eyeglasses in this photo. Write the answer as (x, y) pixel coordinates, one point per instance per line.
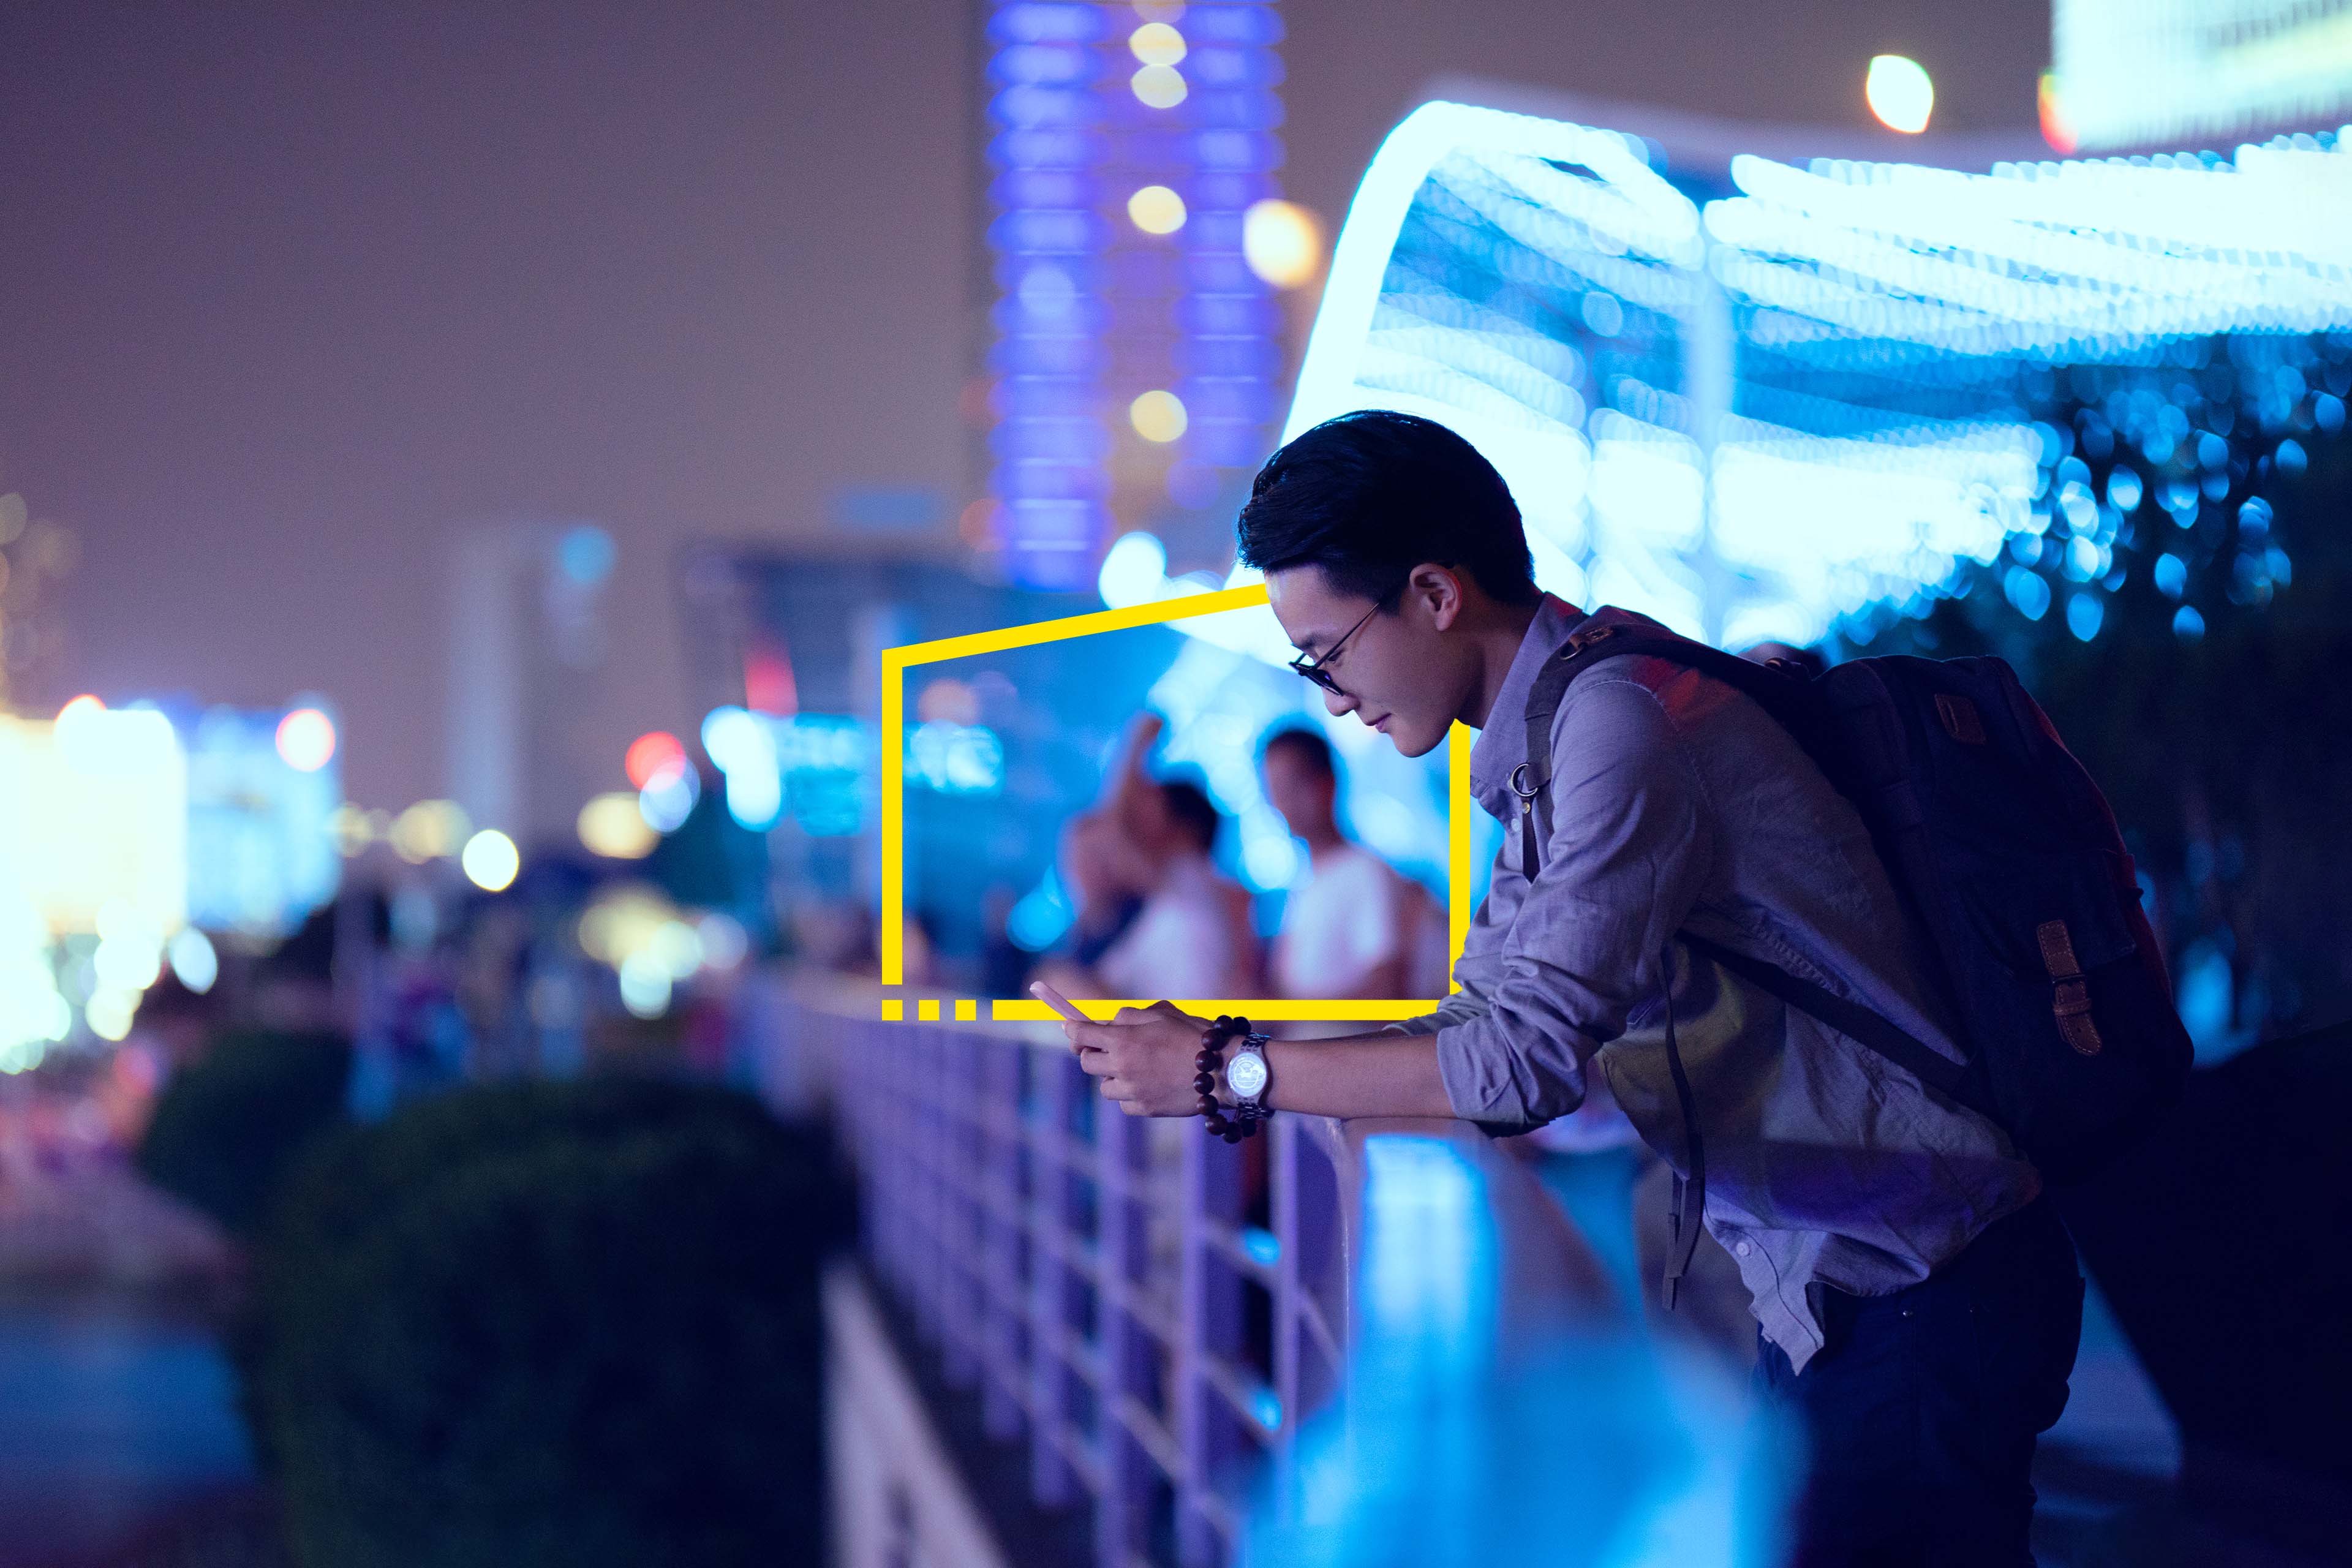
(1317, 670)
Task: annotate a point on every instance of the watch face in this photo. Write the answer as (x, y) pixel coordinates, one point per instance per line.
(1245, 1074)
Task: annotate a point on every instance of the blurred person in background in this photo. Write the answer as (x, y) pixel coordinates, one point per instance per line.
(1194, 936)
(1353, 926)
(1104, 872)
(1141, 867)
(1107, 877)
(1003, 964)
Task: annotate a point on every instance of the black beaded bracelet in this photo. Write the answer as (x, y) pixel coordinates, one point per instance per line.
(1244, 1123)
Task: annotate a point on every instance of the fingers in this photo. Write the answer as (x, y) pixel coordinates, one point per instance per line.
(1095, 1064)
(1123, 1093)
(1156, 1013)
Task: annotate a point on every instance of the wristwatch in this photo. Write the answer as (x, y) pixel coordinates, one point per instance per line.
(1248, 1075)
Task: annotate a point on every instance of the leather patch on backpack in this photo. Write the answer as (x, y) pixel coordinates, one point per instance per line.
(1961, 721)
(2072, 1001)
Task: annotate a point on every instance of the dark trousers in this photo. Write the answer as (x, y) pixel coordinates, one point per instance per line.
(1920, 1413)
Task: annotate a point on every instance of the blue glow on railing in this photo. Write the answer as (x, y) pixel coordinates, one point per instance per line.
(1262, 1247)
(1450, 1451)
(1430, 1264)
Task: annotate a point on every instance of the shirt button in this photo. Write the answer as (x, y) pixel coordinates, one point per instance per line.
(1743, 1250)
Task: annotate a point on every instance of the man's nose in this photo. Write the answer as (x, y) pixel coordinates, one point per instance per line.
(1338, 703)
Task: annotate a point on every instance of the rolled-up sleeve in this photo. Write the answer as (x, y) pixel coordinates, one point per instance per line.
(1560, 963)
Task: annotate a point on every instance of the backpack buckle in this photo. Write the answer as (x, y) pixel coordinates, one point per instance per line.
(1584, 639)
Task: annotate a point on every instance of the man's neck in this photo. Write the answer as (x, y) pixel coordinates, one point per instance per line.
(1180, 866)
(1497, 640)
(1324, 840)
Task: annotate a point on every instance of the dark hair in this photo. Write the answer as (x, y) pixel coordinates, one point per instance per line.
(1308, 747)
(1370, 496)
(1189, 807)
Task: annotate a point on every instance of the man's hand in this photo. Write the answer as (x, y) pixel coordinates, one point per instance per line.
(1143, 1058)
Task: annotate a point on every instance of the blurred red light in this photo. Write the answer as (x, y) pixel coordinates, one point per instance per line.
(651, 755)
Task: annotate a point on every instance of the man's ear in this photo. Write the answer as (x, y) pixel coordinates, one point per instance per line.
(1439, 589)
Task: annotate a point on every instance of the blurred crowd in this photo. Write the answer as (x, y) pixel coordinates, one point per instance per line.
(1155, 916)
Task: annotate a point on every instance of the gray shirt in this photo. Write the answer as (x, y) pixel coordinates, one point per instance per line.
(1678, 804)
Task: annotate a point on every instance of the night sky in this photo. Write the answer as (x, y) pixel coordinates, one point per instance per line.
(289, 294)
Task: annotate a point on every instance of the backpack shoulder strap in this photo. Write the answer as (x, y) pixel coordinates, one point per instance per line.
(1588, 646)
(1777, 696)
(1851, 1019)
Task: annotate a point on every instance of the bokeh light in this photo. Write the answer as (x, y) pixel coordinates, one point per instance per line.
(1132, 571)
(306, 738)
(725, 943)
(350, 828)
(742, 745)
(195, 963)
(1156, 43)
(612, 826)
(430, 830)
(490, 861)
(110, 1014)
(1158, 415)
(668, 800)
(1900, 93)
(644, 985)
(1282, 242)
(1156, 209)
(651, 755)
(1158, 87)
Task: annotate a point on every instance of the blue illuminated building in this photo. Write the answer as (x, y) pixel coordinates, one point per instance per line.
(1127, 145)
(261, 855)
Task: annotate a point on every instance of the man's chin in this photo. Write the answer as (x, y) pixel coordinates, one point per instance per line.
(1413, 745)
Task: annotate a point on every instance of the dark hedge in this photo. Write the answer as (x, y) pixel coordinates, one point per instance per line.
(548, 1324)
(229, 1124)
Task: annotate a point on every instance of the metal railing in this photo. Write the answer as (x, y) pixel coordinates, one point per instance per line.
(1149, 1311)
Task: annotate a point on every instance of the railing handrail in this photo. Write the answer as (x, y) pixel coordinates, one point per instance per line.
(1548, 1277)
(1023, 1225)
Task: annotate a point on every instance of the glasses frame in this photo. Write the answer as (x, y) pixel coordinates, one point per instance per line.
(1317, 670)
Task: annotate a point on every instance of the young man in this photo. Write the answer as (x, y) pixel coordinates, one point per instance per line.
(1917, 1307)
(1353, 925)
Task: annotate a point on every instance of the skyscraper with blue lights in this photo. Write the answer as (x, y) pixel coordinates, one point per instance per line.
(1136, 351)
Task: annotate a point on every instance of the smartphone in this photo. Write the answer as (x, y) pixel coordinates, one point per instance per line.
(1057, 1001)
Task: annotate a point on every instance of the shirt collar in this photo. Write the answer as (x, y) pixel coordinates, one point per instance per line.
(1503, 744)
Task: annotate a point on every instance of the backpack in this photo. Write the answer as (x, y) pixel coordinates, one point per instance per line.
(2009, 862)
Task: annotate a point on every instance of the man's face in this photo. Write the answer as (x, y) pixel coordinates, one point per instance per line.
(1299, 790)
(1397, 672)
